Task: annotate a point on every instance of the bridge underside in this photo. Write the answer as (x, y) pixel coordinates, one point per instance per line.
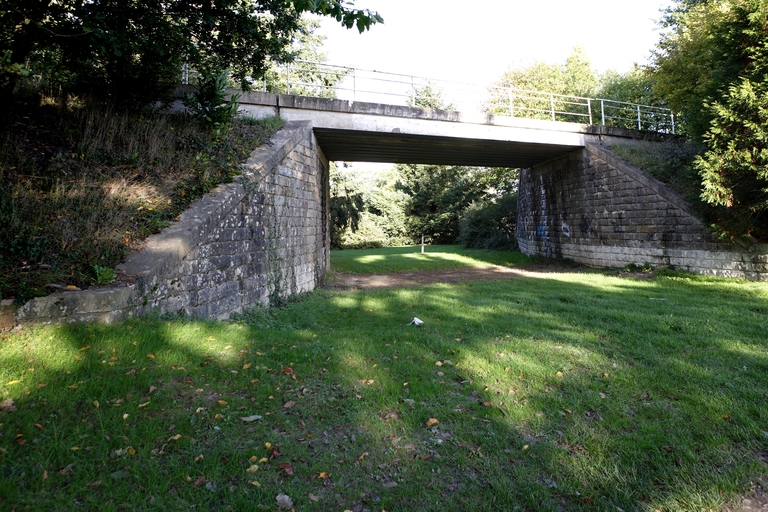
(359, 146)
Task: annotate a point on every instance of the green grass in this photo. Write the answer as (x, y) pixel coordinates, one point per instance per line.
(410, 258)
(566, 392)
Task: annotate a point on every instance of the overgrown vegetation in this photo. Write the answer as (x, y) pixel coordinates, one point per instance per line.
(81, 185)
(559, 392)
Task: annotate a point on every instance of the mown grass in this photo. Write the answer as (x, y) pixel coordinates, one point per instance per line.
(563, 392)
(410, 258)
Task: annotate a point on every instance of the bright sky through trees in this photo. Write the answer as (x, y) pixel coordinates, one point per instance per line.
(477, 41)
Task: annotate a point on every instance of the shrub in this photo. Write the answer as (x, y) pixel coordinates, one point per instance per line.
(368, 235)
(490, 225)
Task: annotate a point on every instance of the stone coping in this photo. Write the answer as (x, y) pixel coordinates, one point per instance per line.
(163, 252)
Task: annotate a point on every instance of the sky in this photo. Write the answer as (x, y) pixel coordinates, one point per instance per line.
(477, 41)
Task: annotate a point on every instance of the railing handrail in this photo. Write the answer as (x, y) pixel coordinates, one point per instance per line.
(662, 119)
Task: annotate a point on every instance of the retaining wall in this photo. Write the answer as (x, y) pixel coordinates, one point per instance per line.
(596, 209)
(243, 244)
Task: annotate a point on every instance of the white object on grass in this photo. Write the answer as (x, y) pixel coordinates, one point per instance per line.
(416, 321)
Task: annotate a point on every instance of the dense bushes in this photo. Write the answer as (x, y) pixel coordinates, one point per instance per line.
(490, 225)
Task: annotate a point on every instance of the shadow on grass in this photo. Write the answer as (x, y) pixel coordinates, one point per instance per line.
(572, 392)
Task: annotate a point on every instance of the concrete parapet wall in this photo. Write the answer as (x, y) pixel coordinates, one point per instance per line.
(245, 243)
(596, 209)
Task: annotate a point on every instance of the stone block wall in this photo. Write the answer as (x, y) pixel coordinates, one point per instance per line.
(245, 243)
(596, 209)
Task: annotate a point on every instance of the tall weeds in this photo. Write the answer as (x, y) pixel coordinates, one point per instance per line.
(79, 187)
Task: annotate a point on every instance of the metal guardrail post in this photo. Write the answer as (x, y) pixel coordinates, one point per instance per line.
(511, 103)
(639, 122)
(672, 117)
(589, 110)
(288, 78)
(552, 105)
(602, 110)
(354, 84)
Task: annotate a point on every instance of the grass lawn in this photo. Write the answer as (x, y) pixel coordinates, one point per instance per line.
(410, 258)
(566, 392)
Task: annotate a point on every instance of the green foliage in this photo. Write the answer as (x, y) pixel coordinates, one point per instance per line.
(708, 47)
(346, 206)
(634, 86)
(132, 51)
(104, 275)
(209, 103)
(490, 224)
(428, 96)
(439, 195)
(367, 235)
(734, 169)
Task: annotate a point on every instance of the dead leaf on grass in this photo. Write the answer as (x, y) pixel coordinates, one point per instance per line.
(284, 501)
(7, 405)
(312, 497)
(275, 453)
(432, 422)
(252, 469)
(289, 404)
(251, 418)
(286, 468)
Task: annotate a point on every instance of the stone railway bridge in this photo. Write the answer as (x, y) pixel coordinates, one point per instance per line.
(267, 234)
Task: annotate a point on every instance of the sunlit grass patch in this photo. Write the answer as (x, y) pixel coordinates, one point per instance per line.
(410, 258)
(564, 391)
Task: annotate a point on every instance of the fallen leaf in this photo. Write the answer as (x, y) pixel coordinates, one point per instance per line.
(175, 438)
(289, 404)
(131, 371)
(13, 382)
(275, 453)
(255, 483)
(559, 374)
(75, 448)
(249, 419)
(152, 388)
(432, 422)
(218, 416)
(85, 347)
(143, 405)
(267, 445)
(45, 474)
(726, 416)
(389, 485)
(312, 497)
(439, 363)
(151, 356)
(525, 447)
(40, 386)
(94, 484)
(67, 470)
(253, 458)
(284, 502)
(263, 460)
(96, 404)
(199, 457)
(200, 481)
(288, 371)
(361, 457)
(7, 405)
(39, 426)
(252, 469)
(131, 450)
(602, 395)
(286, 468)
(324, 475)
(246, 366)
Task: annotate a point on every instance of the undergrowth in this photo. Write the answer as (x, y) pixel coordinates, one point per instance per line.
(80, 186)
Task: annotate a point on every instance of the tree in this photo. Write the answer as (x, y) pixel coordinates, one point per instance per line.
(428, 96)
(708, 46)
(132, 50)
(734, 169)
(574, 77)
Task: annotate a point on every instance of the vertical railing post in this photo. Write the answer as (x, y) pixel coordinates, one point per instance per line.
(639, 122)
(511, 103)
(672, 117)
(552, 105)
(288, 78)
(413, 90)
(589, 109)
(354, 84)
(602, 110)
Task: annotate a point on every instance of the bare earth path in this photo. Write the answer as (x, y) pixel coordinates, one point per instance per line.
(755, 501)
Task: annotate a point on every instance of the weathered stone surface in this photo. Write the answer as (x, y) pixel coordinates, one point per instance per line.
(240, 245)
(596, 209)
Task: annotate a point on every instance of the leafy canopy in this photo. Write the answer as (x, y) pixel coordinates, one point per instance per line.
(132, 51)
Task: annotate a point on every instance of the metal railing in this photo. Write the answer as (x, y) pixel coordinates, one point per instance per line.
(326, 80)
